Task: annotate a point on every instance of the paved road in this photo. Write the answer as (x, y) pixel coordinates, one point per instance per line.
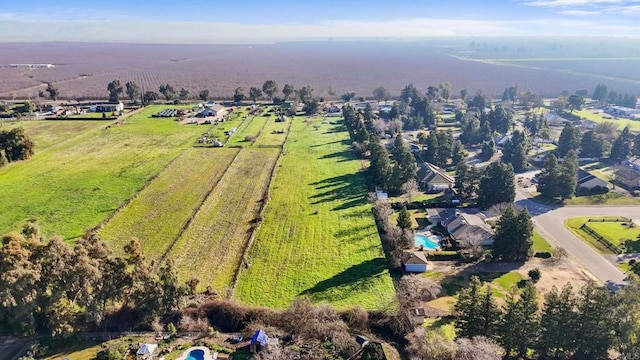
(549, 222)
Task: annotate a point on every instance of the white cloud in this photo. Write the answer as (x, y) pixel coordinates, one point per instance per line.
(587, 7)
(579, 13)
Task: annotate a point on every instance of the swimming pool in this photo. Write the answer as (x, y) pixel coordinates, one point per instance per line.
(196, 354)
(430, 242)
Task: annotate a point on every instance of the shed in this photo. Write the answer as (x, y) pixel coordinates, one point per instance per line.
(258, 341)
(414, 262)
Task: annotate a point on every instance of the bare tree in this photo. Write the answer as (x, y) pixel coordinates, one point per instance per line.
(478, 348)
(395, 126)
(380, 126)
(410, 188)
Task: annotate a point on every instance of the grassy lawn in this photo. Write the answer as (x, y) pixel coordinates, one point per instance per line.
(601, 170)
(418, 218)
(46, 133)
(610, 198)
(158, 214)
(75, 184)
(250, 127)
(599, 117)
(618, 234)
(574, 225)
(318, 237)
(540, 244)
(270, 135)
(419, 197)
(211, 247)
(501, 284)
(77, 351)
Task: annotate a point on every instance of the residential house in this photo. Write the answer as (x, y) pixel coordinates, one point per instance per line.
(501, 141)
(633, 163)
(621, 111)
(469, 229)
(588, 183)
(434, 179)
(628, 177)
(146, 351)
(555, 119)
(414, 261)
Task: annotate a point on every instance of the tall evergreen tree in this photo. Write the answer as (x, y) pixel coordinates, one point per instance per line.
(519, 323)
(569, 140)
(548, 179)
(404, 219)
(557, 324)
(593, 145)
(621, 147)
(513, 235)
(594, 326)
(568, 176)
(466, 180)
(380, 166)
(496, 185)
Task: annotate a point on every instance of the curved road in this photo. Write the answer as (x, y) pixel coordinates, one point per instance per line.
(549, 222)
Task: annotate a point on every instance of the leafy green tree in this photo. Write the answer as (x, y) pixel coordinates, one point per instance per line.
(109, 354)
(467, 179)
(183, 94)
(594, 326)
(404, 219)
(515, 151)
(513, 235)
(238, 95)
(133, 90)
(381, 94)
(167, 91)
(380, 167)
(255, 93)
(115, 89)
(600, 93)
(510, 94)
(548, 179)
(431, 149)
(575, 102)
(311, 107)
(463, 94)
(287, 90)
(557, 324)
(150, 96)
(569, 140)
(348, 96)
(305, 93)
(172, 291)
(476, 312)
(53, 91)
(621, 147)
(593, 145)
(568, 176)
(270, 87)
(479, 102)
(405, 167)
(627, 315)
(16, 144)
(520, 322)
(204, 95)
(487, 150)
(445, 90)
(409, 93)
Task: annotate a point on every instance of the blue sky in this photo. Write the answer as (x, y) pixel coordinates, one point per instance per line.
(254, 21)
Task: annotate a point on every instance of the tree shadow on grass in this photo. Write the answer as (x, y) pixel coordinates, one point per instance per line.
(356, 278)
(343, 142)
(345, 155)
(346, 188)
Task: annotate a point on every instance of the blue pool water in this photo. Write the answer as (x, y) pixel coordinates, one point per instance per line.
(196, 354)
(430, 242)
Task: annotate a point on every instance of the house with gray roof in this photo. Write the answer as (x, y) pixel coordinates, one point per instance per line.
(433, 179)
(469, 229)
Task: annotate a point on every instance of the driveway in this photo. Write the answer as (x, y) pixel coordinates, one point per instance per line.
(549, 222)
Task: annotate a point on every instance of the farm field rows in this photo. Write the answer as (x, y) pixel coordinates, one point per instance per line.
(250, 127)
(318, 237)
(274, 133)
(75, 184)
(158, 213)
(212, 246)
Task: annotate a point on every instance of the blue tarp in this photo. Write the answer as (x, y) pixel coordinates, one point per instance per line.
(260, 337)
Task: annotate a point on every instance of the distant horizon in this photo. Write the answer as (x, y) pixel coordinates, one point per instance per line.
(256, 22)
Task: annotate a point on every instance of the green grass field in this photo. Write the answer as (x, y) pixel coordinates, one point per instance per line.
(318, 237)
(75, 184)
(574, 225)
(211, 248)
(540, 244)
(250, 127)
(599, 117)
(610, 198)
(618, 233)
(46, 133)
(158, 214)
(270, 135)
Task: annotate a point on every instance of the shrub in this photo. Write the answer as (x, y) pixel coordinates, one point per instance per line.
(356, 318)
(542, 254)
(534, 275)
(109, 354)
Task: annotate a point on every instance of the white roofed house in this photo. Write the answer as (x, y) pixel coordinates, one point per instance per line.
(212, 110)
(433, 179)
